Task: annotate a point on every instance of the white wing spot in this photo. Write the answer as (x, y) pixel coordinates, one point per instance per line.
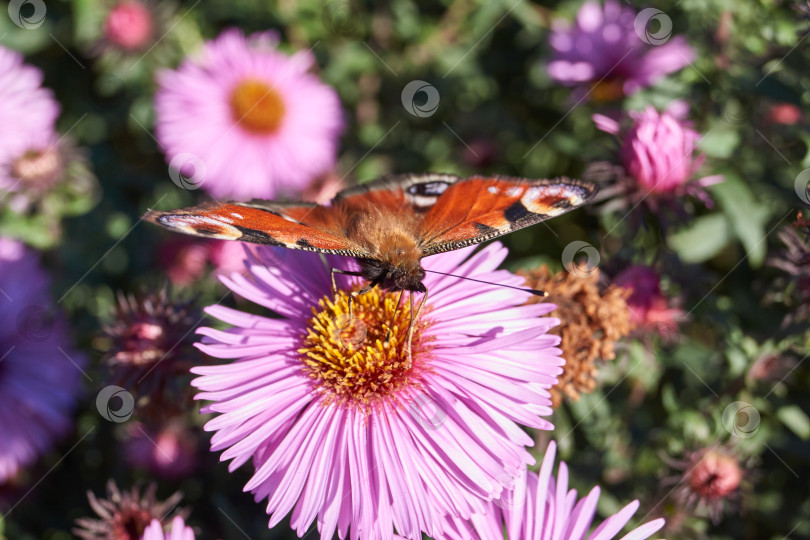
(514, 191)
(494, 190)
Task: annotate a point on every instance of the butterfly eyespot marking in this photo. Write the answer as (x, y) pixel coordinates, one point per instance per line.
(424, 195)
(429, 189)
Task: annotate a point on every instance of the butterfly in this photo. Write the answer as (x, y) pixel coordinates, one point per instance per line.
(390, 224)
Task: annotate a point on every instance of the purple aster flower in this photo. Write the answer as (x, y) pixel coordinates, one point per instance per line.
(245, 120)
(177, 531)
(26, 108)
(540, 506)
(39, 371)
(611, 49)
(659, 155)
(342, 428)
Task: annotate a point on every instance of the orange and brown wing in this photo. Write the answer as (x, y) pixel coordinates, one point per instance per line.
(477, 209)
(302, 226)
(395, 194)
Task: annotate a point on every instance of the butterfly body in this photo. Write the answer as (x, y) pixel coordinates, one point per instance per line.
(390, 224)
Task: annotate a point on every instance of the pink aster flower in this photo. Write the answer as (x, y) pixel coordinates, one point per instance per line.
(245, 120)
(27, 110)
(611, 49)
(129, 25)
(649, 309)
(177, 531)
(659, 155)
(342, 428)
(540, 506)
(40, 373)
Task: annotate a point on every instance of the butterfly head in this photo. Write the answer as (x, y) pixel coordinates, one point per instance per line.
(405, 276)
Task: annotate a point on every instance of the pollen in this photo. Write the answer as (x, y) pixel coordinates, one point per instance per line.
(257, 107)
(362, 360)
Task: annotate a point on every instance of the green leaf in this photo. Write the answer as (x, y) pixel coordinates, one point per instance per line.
(720, 142)
(746, 215)
(704, 239)
(796, 419)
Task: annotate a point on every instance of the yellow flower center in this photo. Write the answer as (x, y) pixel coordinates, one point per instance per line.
(257, 107)
(362, 360)
(607, 90)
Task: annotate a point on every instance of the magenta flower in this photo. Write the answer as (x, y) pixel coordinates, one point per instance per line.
(611, 49)
(540, 506)
(40, 373)
(177, 531)
(244, 120)
(27, 110)
(129, 25)
(342, 428)
(658, 153)
(649, 309)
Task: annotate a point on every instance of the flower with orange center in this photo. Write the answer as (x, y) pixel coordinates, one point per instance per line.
(257, 107)
(343, 427)
(251, 120)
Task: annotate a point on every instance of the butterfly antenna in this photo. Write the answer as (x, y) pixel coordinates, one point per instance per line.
(393, 318)
(535, 292)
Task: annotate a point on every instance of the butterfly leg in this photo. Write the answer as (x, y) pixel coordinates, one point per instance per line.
(334, 271)
(393, 318)
(355, 294)
(413, 324)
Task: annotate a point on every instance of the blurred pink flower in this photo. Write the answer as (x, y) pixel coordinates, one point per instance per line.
(186, 259)
(346, 430)
(177, 531)
(658, 153)
(40, 372)
(168, 452)
(784, 113)
(129, 25)
(244, 120)
(540, 506)
(649, 309)
(611, 48)
(706, 479)
(28, 111)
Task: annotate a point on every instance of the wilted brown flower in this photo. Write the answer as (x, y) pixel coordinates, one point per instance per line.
(125, 515)
(592, 320)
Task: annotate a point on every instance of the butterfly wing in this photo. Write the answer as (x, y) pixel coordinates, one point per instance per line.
(397, 194)
(476, 209)
(303, 226)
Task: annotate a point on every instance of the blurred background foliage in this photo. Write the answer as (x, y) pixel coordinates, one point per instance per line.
(499, 112)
